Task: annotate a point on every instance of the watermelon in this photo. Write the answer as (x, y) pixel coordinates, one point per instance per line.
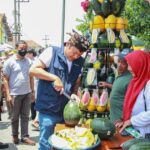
(72, 113)
(90, 76)
(141, 146)
(106, 7)
(126, 145)
(103, 127)
(116, 7)
(102, 41)
(85, 98)
(96, 7)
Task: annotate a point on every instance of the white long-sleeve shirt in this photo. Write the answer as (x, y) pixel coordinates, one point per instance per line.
(140, 118)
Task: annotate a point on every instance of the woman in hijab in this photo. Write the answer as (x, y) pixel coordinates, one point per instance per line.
(136, 111)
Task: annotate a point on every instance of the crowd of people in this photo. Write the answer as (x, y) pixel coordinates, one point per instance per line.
(56, 69)
(18, 90)
(35, 84)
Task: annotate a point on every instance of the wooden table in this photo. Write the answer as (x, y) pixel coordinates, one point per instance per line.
(113, 143)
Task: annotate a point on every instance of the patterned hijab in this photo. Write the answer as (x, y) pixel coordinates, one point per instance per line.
(140, 64)
(79, 41)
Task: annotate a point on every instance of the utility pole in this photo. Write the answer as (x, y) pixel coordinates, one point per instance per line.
(1, 30)
(63, 22)
(15, 20)
(46, 39)
(19, 29)
(17, 24)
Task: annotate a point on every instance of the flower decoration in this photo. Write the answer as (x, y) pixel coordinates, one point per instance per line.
(85, 5)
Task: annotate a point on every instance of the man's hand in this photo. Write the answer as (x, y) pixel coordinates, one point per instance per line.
(58, 85)
(33, 96)
(9, 100)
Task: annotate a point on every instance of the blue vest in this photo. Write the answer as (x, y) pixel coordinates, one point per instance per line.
(49, 101)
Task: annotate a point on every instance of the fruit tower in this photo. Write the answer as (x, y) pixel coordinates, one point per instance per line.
(107, 36)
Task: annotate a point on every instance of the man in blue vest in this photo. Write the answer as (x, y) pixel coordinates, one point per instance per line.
(58, 69)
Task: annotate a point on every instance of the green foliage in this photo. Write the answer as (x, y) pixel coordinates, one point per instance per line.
(84, 22)
(138, 14)
(83, 26)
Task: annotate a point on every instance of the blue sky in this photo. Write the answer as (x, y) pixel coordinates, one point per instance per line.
(40, 17)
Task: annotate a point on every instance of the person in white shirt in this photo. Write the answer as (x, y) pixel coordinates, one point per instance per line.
(58, 69)
(136, 110)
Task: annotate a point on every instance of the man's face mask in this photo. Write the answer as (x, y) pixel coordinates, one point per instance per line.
(22, 52)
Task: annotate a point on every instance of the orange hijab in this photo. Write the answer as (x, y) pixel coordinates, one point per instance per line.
(140, 64)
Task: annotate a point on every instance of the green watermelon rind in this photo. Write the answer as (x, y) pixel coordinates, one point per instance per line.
(126, 145)
(141, 146)
(106, 130)
(71, 113)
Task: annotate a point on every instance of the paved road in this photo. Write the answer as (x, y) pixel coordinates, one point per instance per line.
(5, 134)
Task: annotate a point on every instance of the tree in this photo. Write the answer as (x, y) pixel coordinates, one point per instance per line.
(138, 14)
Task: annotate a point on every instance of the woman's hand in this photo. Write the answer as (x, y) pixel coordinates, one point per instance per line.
(125, 124)
(119, 123)
(105, 84)
(102, 84)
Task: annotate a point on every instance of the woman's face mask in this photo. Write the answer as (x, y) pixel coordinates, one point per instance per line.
(22, 52)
